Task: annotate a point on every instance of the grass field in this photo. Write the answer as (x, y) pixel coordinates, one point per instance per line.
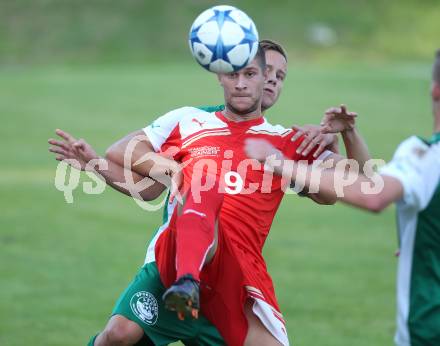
(90, 31)
(62, 266)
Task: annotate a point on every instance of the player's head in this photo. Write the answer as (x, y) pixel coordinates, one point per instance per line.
(435, 87)
(276, 62)
(243, 89)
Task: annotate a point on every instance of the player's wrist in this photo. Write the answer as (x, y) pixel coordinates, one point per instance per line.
(96, 164)
(349, 131)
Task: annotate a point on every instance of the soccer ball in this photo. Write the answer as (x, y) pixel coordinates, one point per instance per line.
(223, 39)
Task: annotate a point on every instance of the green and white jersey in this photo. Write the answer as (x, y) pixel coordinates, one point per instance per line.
(418, 221)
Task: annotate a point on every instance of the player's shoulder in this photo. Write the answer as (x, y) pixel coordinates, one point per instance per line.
(269, 129)
(184, 111)
(183, 114)
(410, 146)
(414, 141)
(201, 116)
(196, 120)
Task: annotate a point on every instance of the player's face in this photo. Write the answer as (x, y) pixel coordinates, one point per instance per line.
(276, 73)
(243, 89)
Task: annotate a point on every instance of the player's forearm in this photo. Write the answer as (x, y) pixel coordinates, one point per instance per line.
(132, 149)
(321, 199)
(333, 185)
(136, 153)
(356, 149)
(157, 167)
(353, 194)
(124, 181)
(355, 146)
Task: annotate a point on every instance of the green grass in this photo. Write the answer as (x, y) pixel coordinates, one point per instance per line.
(62, 266)
(56, 31)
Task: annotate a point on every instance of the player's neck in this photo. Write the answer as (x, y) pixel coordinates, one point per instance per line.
(232, 115)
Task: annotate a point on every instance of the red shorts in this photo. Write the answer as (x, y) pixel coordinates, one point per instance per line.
(233, 276)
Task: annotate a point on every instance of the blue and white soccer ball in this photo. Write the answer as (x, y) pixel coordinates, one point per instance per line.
(223, 39)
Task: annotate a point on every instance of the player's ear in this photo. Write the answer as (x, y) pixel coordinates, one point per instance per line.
(435, 91)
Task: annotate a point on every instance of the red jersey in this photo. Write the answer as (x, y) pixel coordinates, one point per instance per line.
(208, 141)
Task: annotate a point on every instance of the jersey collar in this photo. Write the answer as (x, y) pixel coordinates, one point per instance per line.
(246, 123)
(435, 138)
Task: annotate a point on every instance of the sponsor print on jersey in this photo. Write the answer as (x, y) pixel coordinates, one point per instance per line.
(204, 151)
(144, 306)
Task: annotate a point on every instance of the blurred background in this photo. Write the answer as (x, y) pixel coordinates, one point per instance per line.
(102, 31)
(101, 69)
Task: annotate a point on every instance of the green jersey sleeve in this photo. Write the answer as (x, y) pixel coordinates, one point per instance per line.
(211, 109)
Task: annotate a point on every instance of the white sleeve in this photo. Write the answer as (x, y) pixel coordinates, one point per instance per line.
(159, 131)
(417, 166)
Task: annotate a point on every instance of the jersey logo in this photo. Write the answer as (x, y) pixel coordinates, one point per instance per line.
(194, 120)
(154, 125)
(144, 306)
(419, 152)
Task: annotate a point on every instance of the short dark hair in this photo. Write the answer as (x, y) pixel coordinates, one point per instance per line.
(436, 68)
(272, 45)
(261, 57)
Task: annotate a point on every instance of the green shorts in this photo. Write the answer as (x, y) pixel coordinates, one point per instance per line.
(142, 303)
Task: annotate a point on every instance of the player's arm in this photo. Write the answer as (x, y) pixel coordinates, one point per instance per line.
(354, 194)
(143, 151)
(317, 140)
(335, 120)
(320, 198)
(79, 154)
(340, 120)
(82, 156)
(412, 176)
(129, 149)
(153, 149)
(313, 144)
(356, 150)
(137, 153)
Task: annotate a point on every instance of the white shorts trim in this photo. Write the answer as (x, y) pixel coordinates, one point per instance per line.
(270, 317)
(188, 211)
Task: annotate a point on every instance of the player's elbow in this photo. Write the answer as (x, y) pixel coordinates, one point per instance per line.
(374, 203)
(327, 201)
(152, 194)
(146, 197)
(323, 199)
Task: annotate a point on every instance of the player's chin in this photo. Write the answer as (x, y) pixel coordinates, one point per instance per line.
(242, 103)
(268, 101)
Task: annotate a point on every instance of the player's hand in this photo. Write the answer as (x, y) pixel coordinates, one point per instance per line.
(77, 151)
(338, 119)
(168, 172)
(260, 149)
(314, 137)
(265, 152)
(176, 188)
